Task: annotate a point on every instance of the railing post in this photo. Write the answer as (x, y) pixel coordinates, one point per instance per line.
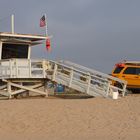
(10, 65)
(71, 77)
(16, 69)
(108, 88)
(55, 71)
(43, 66)
(29, 63)
(124, 90)
(89, 82)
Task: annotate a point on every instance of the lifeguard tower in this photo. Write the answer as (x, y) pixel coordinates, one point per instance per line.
(16, 67)
(19, 74)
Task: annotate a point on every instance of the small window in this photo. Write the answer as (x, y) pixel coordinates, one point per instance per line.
(14, 51)
(130, 70)
(138, 71)
(118, 70)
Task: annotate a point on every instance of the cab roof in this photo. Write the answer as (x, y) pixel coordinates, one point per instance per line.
(132, 63)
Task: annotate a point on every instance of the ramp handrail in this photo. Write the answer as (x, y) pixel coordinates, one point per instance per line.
(96, 78)
(92, 71)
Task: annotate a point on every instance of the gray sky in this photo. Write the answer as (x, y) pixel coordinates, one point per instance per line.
(94, 33)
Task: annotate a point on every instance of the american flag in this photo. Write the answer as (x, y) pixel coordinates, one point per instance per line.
(43, 21)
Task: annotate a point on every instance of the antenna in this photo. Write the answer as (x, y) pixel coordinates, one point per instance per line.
(12, 23)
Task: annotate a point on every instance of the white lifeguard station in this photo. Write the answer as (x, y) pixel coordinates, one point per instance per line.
(19, 74)
(16, 67)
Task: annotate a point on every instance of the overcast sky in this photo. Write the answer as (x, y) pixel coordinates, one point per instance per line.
(94, 33)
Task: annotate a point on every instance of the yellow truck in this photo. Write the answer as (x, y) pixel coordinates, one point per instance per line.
(128, 71)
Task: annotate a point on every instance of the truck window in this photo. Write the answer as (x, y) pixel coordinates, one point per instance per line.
(130, 70)
(118, 70)
(138, 71)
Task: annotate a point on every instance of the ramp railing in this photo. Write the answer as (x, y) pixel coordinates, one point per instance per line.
(84, 79)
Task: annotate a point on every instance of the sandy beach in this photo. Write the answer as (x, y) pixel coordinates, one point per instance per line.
(71, 119)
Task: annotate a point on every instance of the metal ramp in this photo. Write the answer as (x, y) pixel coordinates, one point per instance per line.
(83, 79)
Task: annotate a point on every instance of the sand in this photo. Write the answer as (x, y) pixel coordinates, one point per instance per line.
(70, 119)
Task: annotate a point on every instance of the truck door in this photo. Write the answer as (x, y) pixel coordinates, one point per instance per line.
(131, 75)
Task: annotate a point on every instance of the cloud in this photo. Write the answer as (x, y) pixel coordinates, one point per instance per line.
(95, 33)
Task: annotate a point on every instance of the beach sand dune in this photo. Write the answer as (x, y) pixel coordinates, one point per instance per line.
(70, 119)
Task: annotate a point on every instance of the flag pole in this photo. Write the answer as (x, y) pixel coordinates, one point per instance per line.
(46, 24)
(48, 38)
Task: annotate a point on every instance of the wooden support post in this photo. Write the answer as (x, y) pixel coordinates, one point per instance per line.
(71, 77)
(89, 82)
(9, 89)
(45, 87)
(54, 73)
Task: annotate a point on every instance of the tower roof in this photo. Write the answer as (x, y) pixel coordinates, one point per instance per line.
(22, 38)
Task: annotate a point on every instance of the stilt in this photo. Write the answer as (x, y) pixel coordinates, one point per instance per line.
(9, 89)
